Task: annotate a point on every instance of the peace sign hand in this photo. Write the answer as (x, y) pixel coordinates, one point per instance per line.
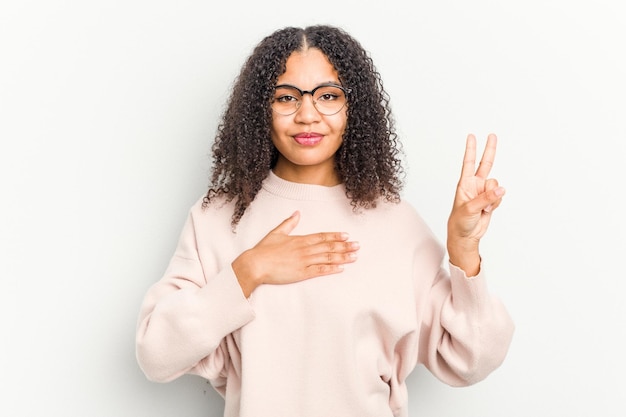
(477, 196)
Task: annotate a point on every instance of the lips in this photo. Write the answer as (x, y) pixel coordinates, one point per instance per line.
(308, 139)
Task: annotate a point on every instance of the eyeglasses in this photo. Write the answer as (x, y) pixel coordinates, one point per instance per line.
(328, 98)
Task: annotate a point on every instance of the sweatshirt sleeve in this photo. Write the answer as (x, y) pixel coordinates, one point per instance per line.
(186, 316)
(466, 331)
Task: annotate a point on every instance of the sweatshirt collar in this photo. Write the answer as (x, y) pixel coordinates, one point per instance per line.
(297, 191)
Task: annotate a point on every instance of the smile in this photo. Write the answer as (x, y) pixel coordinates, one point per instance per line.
(308, 139)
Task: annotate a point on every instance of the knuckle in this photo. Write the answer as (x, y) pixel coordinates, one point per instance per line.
(321, 269)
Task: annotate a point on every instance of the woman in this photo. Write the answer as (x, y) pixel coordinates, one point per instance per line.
(302, 284)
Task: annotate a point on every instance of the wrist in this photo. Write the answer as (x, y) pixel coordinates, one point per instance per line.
(244, 273)
(464, 254)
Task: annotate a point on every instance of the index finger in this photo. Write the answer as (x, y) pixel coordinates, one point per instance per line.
(324, 237)
(486, 162)
(469, 158)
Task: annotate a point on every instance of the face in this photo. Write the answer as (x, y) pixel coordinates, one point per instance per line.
(307, 140)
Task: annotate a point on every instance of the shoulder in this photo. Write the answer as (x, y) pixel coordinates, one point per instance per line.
(403, 220)
(217, 212)
(400, 213)
(217, 204)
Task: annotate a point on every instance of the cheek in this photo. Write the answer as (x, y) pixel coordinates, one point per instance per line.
(340, 125)
(278, 126)
(277, 136)
(275, 132)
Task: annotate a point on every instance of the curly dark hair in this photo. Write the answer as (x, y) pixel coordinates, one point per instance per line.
(368, 161)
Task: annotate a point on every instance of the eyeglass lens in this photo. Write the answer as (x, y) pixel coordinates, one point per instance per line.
(327, 99)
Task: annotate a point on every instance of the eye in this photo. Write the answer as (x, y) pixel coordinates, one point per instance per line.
(328, 93)
(285, 98)
(328, 97)
(286, 95)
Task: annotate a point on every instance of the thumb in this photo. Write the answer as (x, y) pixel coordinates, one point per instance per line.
(287, 225)
(491, 199)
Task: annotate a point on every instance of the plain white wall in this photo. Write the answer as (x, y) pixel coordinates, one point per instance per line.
(107, 112)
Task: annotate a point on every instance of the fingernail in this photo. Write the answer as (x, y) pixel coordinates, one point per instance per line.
(499, 191)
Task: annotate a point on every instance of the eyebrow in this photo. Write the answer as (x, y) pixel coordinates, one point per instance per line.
(314, 89)
(335, 82)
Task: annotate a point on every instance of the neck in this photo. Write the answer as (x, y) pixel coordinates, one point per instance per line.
(308, 175)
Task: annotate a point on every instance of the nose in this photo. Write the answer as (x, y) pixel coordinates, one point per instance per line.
(307, 113)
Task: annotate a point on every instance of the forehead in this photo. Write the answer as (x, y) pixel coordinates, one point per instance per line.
(307, 69)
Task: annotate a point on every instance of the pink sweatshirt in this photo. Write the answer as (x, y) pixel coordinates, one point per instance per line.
(333, 346)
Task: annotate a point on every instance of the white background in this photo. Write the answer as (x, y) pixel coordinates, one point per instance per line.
(107, 112)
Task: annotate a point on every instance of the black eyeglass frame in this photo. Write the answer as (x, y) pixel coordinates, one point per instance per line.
(345, 90)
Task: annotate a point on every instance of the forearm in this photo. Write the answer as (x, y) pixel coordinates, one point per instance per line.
(474, 332)
(464, 254)
(180, 326)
